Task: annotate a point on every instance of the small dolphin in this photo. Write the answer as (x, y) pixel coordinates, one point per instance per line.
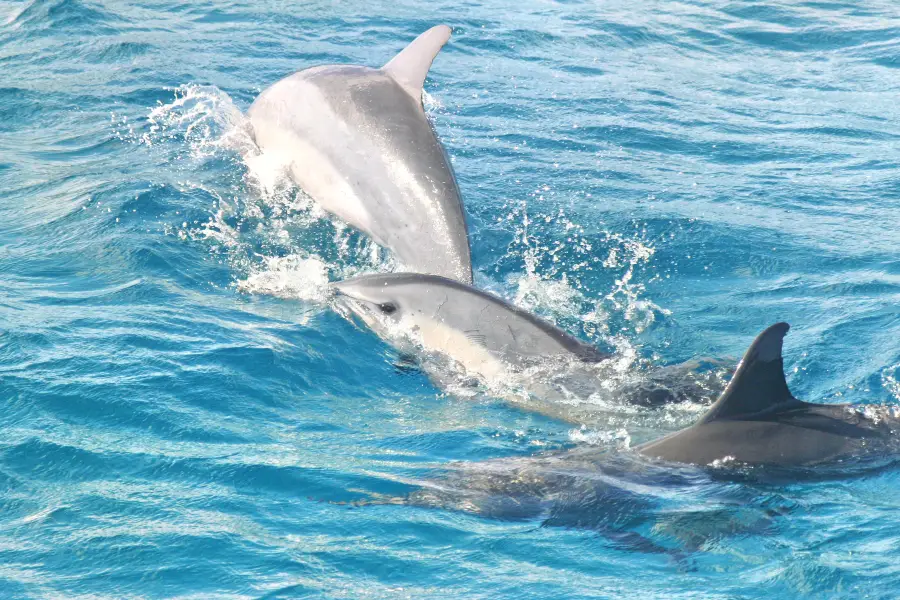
(360, 144)
(498, 342)
(757, 421)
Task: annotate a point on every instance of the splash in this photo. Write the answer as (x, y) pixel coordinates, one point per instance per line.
(291, 276)
(206, 119)
(275, 238)
(553, 282)
(890, 379)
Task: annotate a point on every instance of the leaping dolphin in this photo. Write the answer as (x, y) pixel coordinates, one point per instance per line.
(499, 342)
(757, 421)
(359, 143)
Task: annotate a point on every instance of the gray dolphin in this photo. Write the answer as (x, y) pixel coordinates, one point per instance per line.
(358, 141)
(616, 494)
(498, 342)
(758, 421)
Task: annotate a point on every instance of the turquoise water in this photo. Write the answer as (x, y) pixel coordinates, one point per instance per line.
(183, 415)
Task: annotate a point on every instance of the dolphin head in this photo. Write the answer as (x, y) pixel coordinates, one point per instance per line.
(375, 299)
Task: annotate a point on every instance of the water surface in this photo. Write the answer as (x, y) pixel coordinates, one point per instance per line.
(183, 415)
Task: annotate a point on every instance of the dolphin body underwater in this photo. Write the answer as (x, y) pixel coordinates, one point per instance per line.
(496, 341)
(359, 143)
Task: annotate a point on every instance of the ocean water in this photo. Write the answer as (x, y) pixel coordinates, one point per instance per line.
(183, 415)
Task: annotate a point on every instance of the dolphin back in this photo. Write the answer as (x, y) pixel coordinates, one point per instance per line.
(516, 336)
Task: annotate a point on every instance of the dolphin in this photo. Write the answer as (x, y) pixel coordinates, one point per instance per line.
(617, 494)
(358, 141)
(498, 342)
(757, 421)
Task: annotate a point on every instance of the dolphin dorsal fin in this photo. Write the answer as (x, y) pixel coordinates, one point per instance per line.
(758, 385)
(410, 67)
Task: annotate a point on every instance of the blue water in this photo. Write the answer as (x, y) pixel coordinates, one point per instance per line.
(183, 415)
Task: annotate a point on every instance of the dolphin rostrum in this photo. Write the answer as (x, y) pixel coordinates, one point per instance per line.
(498, 342)
(357, 140)
(757, 421)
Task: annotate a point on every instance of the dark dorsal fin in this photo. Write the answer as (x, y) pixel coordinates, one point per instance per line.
(758, 385)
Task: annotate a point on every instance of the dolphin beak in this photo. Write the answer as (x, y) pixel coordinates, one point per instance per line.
(339, 295)
(342, 288)
(343, 303)
(342, 294)
(346, 305)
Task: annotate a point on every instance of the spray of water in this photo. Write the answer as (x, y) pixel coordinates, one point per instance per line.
(890, 379)
(276, 239)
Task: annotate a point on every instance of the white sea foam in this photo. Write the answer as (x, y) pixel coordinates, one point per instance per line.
(722, 463)
(291, 276)
(619, 438)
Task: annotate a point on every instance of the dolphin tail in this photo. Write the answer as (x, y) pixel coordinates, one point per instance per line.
(758, 385)
(410, 67)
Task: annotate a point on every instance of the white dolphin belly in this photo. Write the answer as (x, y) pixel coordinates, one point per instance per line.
(436, 336)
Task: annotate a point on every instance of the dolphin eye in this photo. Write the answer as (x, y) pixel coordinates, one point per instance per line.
(387, 308)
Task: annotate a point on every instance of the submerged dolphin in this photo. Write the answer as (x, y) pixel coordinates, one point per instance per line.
(623, 499)
(617, 494)
(758, 421)
(499, 342)
(360, 144)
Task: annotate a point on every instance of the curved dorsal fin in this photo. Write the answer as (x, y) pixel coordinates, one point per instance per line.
(411, 66)
(758, 385)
